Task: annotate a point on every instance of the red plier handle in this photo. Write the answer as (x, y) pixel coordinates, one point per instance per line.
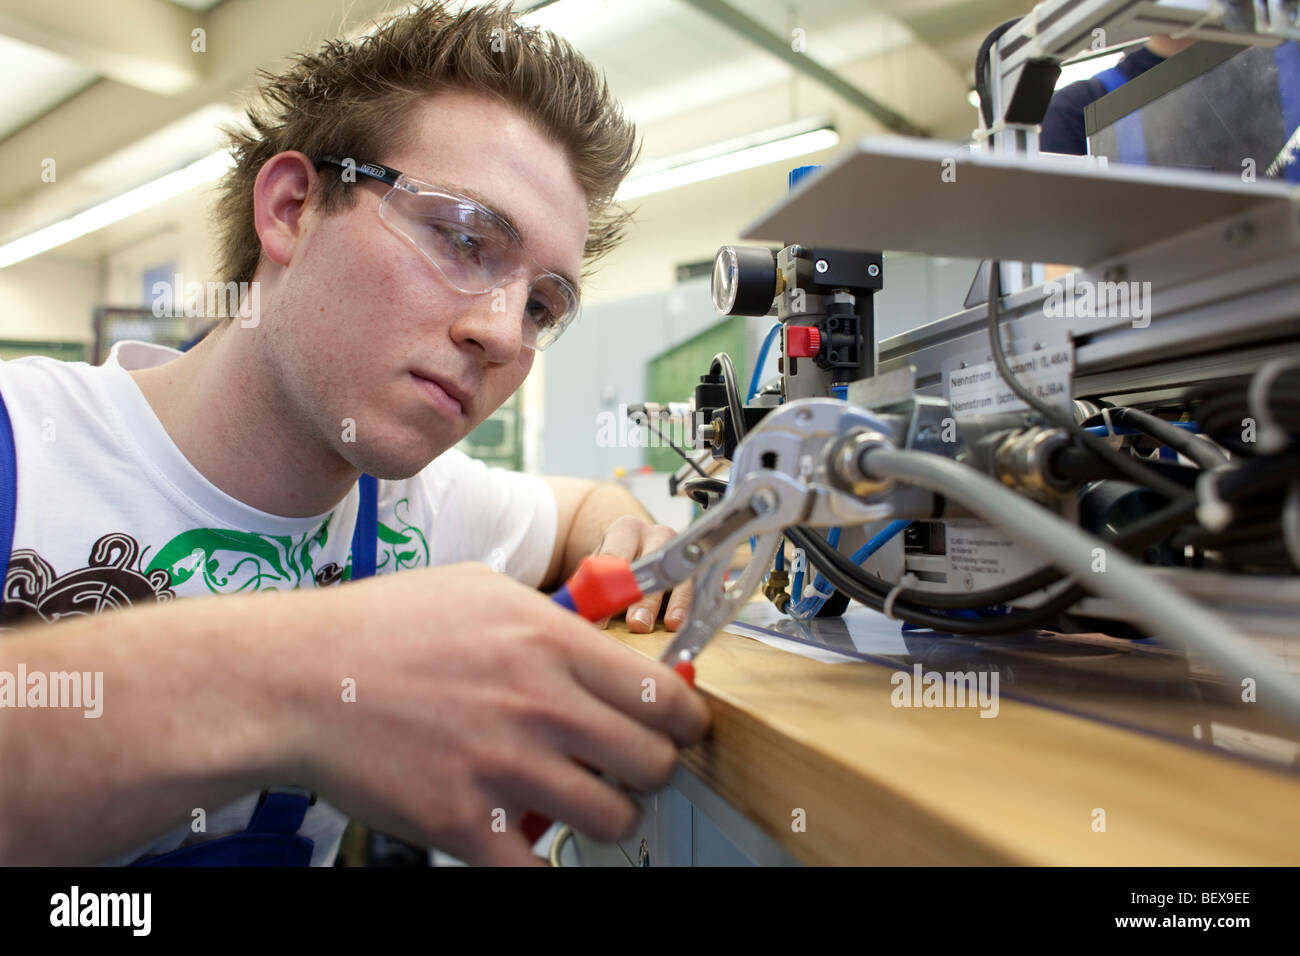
(605, 584)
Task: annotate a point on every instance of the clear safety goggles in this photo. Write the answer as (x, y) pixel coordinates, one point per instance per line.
(473, 248)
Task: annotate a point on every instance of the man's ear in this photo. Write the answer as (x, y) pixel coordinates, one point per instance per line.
(279, 199)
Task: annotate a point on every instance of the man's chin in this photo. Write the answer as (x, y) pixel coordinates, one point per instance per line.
(395, 462)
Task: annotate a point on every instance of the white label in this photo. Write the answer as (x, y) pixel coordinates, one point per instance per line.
(981, 555)
(978, 389)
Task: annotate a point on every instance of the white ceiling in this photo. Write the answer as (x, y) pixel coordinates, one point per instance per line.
(663, 59)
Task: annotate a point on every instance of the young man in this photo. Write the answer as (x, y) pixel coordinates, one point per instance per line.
(397, 310)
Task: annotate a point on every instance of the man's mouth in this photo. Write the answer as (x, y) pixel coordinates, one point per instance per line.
(449, 399)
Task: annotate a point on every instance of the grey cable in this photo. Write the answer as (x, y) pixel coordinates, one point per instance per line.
(1159, 607)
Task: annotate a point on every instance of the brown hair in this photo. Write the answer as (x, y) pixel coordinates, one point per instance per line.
(353, 99)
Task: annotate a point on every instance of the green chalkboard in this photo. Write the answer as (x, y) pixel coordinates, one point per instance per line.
(498, 440)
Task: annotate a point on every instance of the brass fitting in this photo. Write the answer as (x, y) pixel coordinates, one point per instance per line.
(1022, 461)
(776, 589)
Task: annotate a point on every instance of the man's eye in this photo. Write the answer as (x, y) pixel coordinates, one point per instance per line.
(460, 244)
(541, 313)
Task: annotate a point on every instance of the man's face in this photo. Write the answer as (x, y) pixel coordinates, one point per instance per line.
(367, 329)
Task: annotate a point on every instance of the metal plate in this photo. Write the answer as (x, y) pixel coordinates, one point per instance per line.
(892, 193)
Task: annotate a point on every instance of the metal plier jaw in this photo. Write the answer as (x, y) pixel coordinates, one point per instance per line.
(782, 475)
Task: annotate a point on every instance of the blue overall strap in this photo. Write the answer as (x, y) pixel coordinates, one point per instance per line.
(8, 494)
(365, 536)
(271, 839)
(1112, 79)
(1287, 58)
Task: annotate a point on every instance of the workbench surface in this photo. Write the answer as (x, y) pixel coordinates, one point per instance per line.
(879, 784)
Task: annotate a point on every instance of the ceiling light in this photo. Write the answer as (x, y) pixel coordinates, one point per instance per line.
(732, 156)
(118, 208)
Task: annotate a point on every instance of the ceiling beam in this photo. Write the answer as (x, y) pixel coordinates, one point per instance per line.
(953, 28)
(779, 47)
(142, 43)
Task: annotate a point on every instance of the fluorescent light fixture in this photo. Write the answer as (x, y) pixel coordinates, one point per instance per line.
(118, 208)
(732, 156)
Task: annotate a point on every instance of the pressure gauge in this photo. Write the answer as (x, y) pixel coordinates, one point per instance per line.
(744, 280)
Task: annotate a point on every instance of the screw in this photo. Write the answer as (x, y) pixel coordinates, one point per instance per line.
(873, 270)
(822, 265)
(763, 502)
(968, 582)
(692, 552)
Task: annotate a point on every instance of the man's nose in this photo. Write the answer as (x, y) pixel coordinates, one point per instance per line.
(494, 321)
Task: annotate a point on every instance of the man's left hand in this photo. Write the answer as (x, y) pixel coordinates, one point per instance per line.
(630, 537)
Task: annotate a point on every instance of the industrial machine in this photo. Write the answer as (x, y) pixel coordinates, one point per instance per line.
(1088, 480)
(1146, 393)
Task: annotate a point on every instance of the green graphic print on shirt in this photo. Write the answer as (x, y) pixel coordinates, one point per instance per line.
(227, 562)
(234, 561)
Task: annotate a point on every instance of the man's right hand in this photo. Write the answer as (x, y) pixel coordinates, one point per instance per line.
(477, 699)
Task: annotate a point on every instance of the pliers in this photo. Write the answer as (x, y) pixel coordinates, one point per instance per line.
(780, 485)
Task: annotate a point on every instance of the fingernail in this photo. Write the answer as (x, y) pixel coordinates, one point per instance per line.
(603, 623)
(675, 617)
(642, 616)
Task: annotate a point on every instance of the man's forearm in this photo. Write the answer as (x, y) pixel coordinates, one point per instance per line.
(191, 693)
(591, 508)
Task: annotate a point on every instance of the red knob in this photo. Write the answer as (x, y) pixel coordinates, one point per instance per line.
(802, 341)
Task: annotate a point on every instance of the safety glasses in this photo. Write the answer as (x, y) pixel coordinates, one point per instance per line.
(473, 248)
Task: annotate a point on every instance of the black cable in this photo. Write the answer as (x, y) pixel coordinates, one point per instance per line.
(1128, 466)
(671, 444)
(703, 486)
(1221, 408)
(1074, 464)
(872, 591)
(847, 584)
(982, 66)
(1244, 480)
(1184, 442)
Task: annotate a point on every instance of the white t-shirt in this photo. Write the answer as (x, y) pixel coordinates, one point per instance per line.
(110, 513)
